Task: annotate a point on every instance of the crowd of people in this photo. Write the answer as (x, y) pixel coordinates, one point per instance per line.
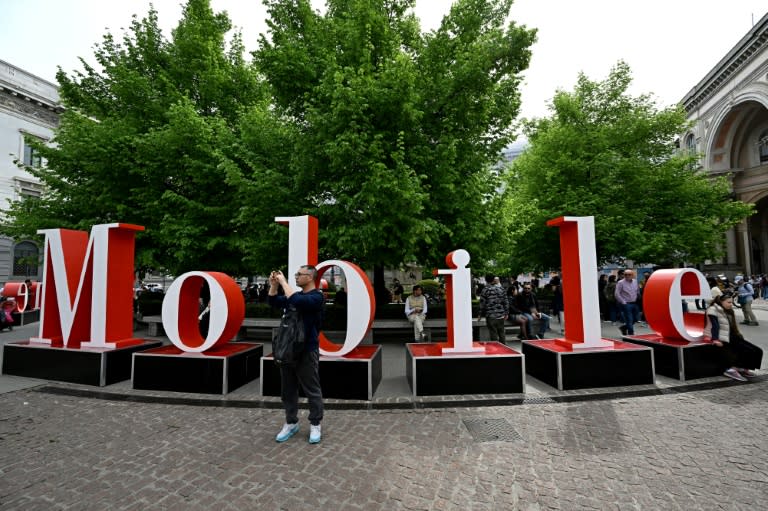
(613, 309)
(621, 303)
(517, 303)
(622, 300)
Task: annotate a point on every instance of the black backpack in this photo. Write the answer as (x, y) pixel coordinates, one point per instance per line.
(289, 341)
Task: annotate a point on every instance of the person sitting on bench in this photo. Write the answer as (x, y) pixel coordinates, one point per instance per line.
(416, 312)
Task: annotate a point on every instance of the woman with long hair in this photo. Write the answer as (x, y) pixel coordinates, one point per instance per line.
(741, 356)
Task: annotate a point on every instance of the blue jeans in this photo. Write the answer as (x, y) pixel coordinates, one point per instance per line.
(613, 311)
(543, 323)
(631, 314)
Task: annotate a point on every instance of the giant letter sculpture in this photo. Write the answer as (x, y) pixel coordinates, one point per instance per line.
(180, 311)
(580, 304)
(662, 303)
(302, 249)
(459, 304)
(88, 287)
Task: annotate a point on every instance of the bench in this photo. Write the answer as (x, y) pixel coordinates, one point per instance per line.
(265, 329)
(155, 326)
(437, 329)
(402, 328)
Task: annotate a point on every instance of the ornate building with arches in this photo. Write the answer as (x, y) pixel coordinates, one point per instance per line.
(29, 109)
(729, 108)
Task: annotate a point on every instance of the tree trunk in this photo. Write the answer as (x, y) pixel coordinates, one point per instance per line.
(380, 290)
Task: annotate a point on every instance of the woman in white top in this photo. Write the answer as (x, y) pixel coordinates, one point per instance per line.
(741, 356)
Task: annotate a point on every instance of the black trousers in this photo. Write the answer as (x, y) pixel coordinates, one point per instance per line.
(742, 353)
(305, 373)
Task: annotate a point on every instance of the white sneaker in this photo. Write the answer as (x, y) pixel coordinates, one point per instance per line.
(734, 375)
(315, 434)
(287, 432)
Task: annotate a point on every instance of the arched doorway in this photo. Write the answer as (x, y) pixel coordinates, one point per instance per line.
(738, 148)
(758, 228)
(737, 141)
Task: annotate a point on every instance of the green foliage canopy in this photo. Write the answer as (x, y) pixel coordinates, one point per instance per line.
(147, 137)
(607, 154)
(397, 130)
(388, 135)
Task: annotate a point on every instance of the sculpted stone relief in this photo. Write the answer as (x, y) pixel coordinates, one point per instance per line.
(29, 109)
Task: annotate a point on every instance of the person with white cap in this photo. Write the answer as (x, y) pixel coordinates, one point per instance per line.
(746, 294)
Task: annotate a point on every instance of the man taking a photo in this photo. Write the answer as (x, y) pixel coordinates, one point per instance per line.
(305, 372)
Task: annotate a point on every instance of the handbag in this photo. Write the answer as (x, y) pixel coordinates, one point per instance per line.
(289, 340)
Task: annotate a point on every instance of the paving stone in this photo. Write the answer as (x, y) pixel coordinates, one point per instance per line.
(676, 451)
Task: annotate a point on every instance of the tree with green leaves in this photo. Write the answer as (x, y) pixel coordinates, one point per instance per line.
(396, 131)
(607, 154)
(388, 135)
(149, 136)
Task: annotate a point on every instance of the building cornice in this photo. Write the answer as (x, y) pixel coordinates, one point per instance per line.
(740, 55)
(18, 83)
(35, 111)
(28, 96)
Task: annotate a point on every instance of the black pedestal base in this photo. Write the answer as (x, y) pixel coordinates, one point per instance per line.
(26, 317)
(682, 360)
(86, 366)
(356, 375)
(500, 370)
(217, 371)
(557, 365)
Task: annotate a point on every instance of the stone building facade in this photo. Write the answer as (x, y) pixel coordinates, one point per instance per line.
(29, 107)
(729, 107)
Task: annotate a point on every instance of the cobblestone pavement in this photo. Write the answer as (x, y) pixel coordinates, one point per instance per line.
(702, 445)
(696, 450)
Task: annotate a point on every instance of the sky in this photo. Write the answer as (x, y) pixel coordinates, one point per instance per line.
(670, 45)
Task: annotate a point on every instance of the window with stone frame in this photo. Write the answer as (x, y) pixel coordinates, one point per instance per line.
(31, 156)
(27, 189)
(25, 259)
(762, 142)
(690, 144)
